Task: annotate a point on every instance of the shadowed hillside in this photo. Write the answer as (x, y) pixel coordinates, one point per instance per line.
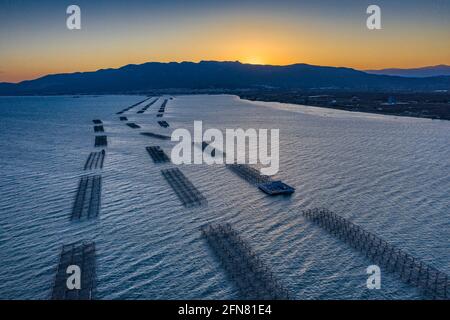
(216, 75)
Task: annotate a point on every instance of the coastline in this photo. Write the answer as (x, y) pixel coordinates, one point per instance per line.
(366, 102)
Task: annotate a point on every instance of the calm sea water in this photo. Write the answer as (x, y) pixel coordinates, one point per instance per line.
(389, 174)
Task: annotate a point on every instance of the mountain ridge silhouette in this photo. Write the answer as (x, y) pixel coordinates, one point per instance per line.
(216, 75)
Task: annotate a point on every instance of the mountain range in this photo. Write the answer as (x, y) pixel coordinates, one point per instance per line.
(433, 71)
(214, 75)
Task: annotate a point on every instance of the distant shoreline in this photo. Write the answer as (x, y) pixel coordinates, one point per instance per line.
(433, 106)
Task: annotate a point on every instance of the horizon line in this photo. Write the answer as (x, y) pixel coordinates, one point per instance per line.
(224, 61)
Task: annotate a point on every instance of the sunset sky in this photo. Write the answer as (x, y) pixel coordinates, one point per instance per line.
(34, 40)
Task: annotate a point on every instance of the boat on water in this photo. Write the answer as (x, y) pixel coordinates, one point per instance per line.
(276, 188)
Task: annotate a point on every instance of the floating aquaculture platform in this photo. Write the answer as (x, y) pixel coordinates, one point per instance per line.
(162, 109)
(276, 187)
(157, 154)
(431, 281)
(155, 135)
(99, 129)
(101, 141)
(147, 106)
(97, 121)
(188, 194)
(123, 119)
(80, 255)
(163, 124)
(254, 280)
(263, 182)
(249, 173)
(150, 104)
(133, 125)
(95, 160)
(132, 106)
(88, 198)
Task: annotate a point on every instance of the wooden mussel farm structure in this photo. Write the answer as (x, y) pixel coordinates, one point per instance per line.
(263, 182)
(99, 128)
(163, 124)
(188, 194)
(133, 125)
(95, 160)
(157, 154)
(431, 281)
(254, 280)
(88, 198)
(132, 106)
(82, 256)
(101, 141)
(147, 106)
(155, 135)
(162, 109)
(248, 173)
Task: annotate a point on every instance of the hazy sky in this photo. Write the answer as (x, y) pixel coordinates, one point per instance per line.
(34, 40)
